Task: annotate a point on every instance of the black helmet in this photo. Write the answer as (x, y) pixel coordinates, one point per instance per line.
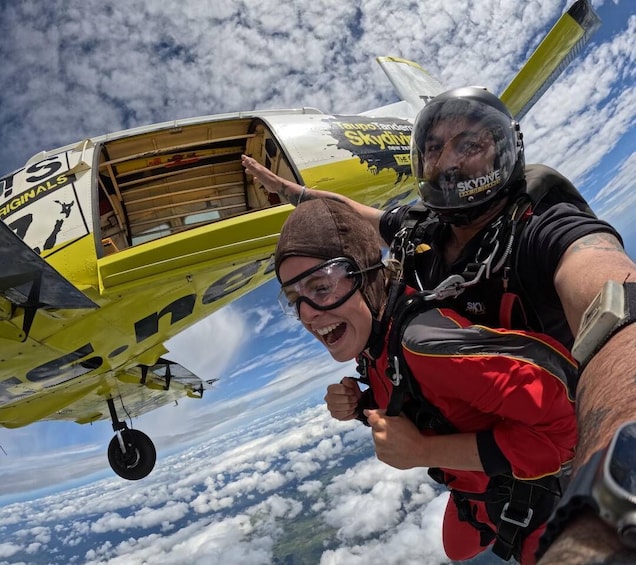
(466, 153)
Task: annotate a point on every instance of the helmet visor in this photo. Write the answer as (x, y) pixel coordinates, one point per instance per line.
(463, 152)
(324, 287)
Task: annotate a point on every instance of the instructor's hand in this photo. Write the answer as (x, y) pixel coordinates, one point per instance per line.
(270, 181)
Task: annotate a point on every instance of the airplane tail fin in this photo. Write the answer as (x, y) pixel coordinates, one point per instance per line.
(564, 41)
(559, 47)
(414, 85)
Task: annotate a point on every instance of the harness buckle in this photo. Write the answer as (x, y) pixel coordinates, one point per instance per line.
(396, 376)
(399, 244)
(521, 523)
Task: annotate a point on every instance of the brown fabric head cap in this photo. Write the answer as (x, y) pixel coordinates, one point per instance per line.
(325, 229)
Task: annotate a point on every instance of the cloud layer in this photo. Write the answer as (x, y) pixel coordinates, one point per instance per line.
(299, 483)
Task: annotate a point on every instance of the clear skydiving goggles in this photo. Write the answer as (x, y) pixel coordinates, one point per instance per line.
(324, 287)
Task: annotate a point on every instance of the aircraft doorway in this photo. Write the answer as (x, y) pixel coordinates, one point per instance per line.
(163, 182)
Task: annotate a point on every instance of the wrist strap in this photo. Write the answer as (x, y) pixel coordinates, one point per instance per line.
(629, 288)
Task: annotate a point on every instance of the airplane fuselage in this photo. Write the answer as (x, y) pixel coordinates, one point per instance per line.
(160, 227)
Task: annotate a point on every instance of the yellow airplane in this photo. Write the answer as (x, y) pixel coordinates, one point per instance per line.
(113, 245)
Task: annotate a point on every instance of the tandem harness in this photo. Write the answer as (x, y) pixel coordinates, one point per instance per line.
(516, 506)
(495, 258)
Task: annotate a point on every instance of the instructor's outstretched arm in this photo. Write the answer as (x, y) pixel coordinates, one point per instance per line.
(296, 193)
(605, 397)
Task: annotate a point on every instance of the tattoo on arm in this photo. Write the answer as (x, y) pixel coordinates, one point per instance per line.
(604, 396)
(293, 198)
(589, 425)
(601, 241)
(287, 193)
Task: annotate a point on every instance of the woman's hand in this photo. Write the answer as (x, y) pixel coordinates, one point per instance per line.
(397, 441)
(342, 399)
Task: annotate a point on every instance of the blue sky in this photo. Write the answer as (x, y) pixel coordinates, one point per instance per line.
(97, 67)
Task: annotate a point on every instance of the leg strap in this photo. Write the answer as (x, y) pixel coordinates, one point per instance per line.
(529, 505)
(516, 507)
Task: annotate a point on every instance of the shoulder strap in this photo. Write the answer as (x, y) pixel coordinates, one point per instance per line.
(405, 306)
(413, 230)
(423, 413)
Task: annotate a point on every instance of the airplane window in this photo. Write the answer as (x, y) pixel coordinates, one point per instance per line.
(208, 216)
(270, 147)
(152, 233)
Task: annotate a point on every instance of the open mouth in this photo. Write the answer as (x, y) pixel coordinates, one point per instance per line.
(331, 334)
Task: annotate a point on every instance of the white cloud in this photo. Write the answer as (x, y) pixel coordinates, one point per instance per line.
(416, 540)
(145, 518)
(220, 336)
(9, 549)
(234, 497)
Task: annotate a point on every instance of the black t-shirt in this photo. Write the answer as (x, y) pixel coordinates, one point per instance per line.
(539, 246)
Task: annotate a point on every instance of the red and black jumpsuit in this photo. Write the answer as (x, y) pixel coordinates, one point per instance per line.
(508, 387)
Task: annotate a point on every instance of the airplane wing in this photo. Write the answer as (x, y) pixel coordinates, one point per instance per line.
(27, 281)
(136, 390)
(557, 50)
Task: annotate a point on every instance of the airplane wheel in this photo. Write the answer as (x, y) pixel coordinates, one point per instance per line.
(139, 458)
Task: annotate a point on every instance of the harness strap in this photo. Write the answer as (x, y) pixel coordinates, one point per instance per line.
(494, 255)
(517, 507)
(406, 395)
(402, 308)
(466, 512)
(396, 402)
(516, 515)
(511, 308)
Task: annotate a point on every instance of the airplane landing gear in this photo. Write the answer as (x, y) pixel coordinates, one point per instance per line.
(131, 453)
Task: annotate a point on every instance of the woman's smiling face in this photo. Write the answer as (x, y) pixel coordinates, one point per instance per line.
(343, 330)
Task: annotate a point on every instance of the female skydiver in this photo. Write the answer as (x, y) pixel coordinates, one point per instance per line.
(496, 422)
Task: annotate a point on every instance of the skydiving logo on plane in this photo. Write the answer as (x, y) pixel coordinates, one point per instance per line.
(381, 143)
(34, 194)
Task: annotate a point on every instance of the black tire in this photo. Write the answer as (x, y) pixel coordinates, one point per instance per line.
(139, 458)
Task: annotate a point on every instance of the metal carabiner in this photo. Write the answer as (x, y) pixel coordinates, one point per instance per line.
(399, 249)
(450, 287)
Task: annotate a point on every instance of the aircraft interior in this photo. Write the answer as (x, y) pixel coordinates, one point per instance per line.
(170, 180)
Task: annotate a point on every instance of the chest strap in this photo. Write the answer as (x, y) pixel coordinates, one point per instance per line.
(494, 255)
